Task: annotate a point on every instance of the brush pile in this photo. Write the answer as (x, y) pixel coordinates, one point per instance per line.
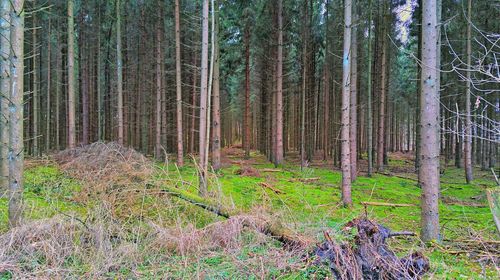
(367, 256)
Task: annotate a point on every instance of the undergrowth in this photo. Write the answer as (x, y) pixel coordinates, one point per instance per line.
(142, 226)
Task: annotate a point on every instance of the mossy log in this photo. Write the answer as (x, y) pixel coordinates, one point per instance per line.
(271, 228)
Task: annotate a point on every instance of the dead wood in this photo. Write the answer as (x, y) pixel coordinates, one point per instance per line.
(367, 256)
(268, 186)
(373, 203)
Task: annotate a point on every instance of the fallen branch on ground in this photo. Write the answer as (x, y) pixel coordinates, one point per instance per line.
(266, 185)
(271, 228)
(373, 203)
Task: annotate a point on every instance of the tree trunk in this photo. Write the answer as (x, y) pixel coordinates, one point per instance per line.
(369, 95)
(119, 73)
(178, 86)
(71, 76)
(158, 124)
(36, 95)
(216, 134)
(353, 118)
(304, 92)
(429, 125)
(246, 117)
(48, 100)
(16, 140)
(203, 101)
(278, 159)
(344, 134)
(468, 123)
(383, 85)
(5, 83)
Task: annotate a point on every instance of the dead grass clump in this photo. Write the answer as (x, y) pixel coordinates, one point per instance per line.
(223, 234)
(106, 168)
(248, 171)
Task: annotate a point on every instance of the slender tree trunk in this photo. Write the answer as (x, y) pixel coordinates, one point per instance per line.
(326, 87)
(203, 101)
(278, 159)
(216, 134)
(158, 86)
(353, 118)
(16, 140)
(369, 94)
(429, 125)
(304, 92)
(193, 106)
(383, 85)
(49, 89)
(59, 82)
(5, 83)
(345, 122)
(468, 122)
(246, 117)
(119, 73)
(100, 95)
(85, 93)
(71, 76)
(36, 95)
(178, 86)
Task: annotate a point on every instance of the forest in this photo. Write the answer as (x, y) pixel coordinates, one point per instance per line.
(263, 139)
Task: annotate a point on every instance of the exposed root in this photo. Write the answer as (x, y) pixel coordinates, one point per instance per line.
(367, 256)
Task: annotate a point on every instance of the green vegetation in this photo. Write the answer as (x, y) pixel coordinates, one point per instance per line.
(305, 201)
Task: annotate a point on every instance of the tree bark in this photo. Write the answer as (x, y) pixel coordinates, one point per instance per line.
(36, 94)
(5, 82)
(216, 134)
(429, 125)
(49, 89)
(369, 94)
(71, 76)
(246, 117)
(383, 85)
(353, 118)
(119, 73)
(178, 86)
(345, 122)
(16, 140)
(468, 122)
(203, 101)
(278, 159)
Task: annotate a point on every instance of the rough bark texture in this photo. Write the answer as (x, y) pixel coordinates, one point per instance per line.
(203, 101)
(344, 134)
(429, 125)
(71, 76)
(353, 118)
(246, 117)
(16, 140)
(178, 86)
(119, 73)
(5, 8)
(158, 125)
(216, 134)
(468, 122)
(383, 86)
(278, 159)
(36, 94)
(49, 93)
(369, 96)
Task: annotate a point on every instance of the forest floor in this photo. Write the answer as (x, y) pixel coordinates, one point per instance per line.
(88, 223)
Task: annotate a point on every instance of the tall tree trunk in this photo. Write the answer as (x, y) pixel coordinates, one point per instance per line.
(246, 117)
(429, 124)
(100, 95)
(304, 92)
(278, 159)
(203, 101)
(369, 94)
(85, 92)
(383, 85)
(326, 87)
(344, 134)
(119, 73)
(71, 76)
(48, 99)
(193, 106)
(5, 83)
(16, 140)
(59, 82)
(178, 86)
(158, 86)
(353, 118)
(36, 95)
(216, 134)
(468, 122)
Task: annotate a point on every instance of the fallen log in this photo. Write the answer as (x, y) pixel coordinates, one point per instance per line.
(266, 185)
(271, 228)
(373, 203)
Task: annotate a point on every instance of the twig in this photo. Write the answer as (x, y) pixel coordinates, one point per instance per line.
(373, 203)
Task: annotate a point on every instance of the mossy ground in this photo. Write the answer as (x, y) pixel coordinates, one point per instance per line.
(306, 206)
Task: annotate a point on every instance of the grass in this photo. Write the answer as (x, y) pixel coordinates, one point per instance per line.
(308, 207)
